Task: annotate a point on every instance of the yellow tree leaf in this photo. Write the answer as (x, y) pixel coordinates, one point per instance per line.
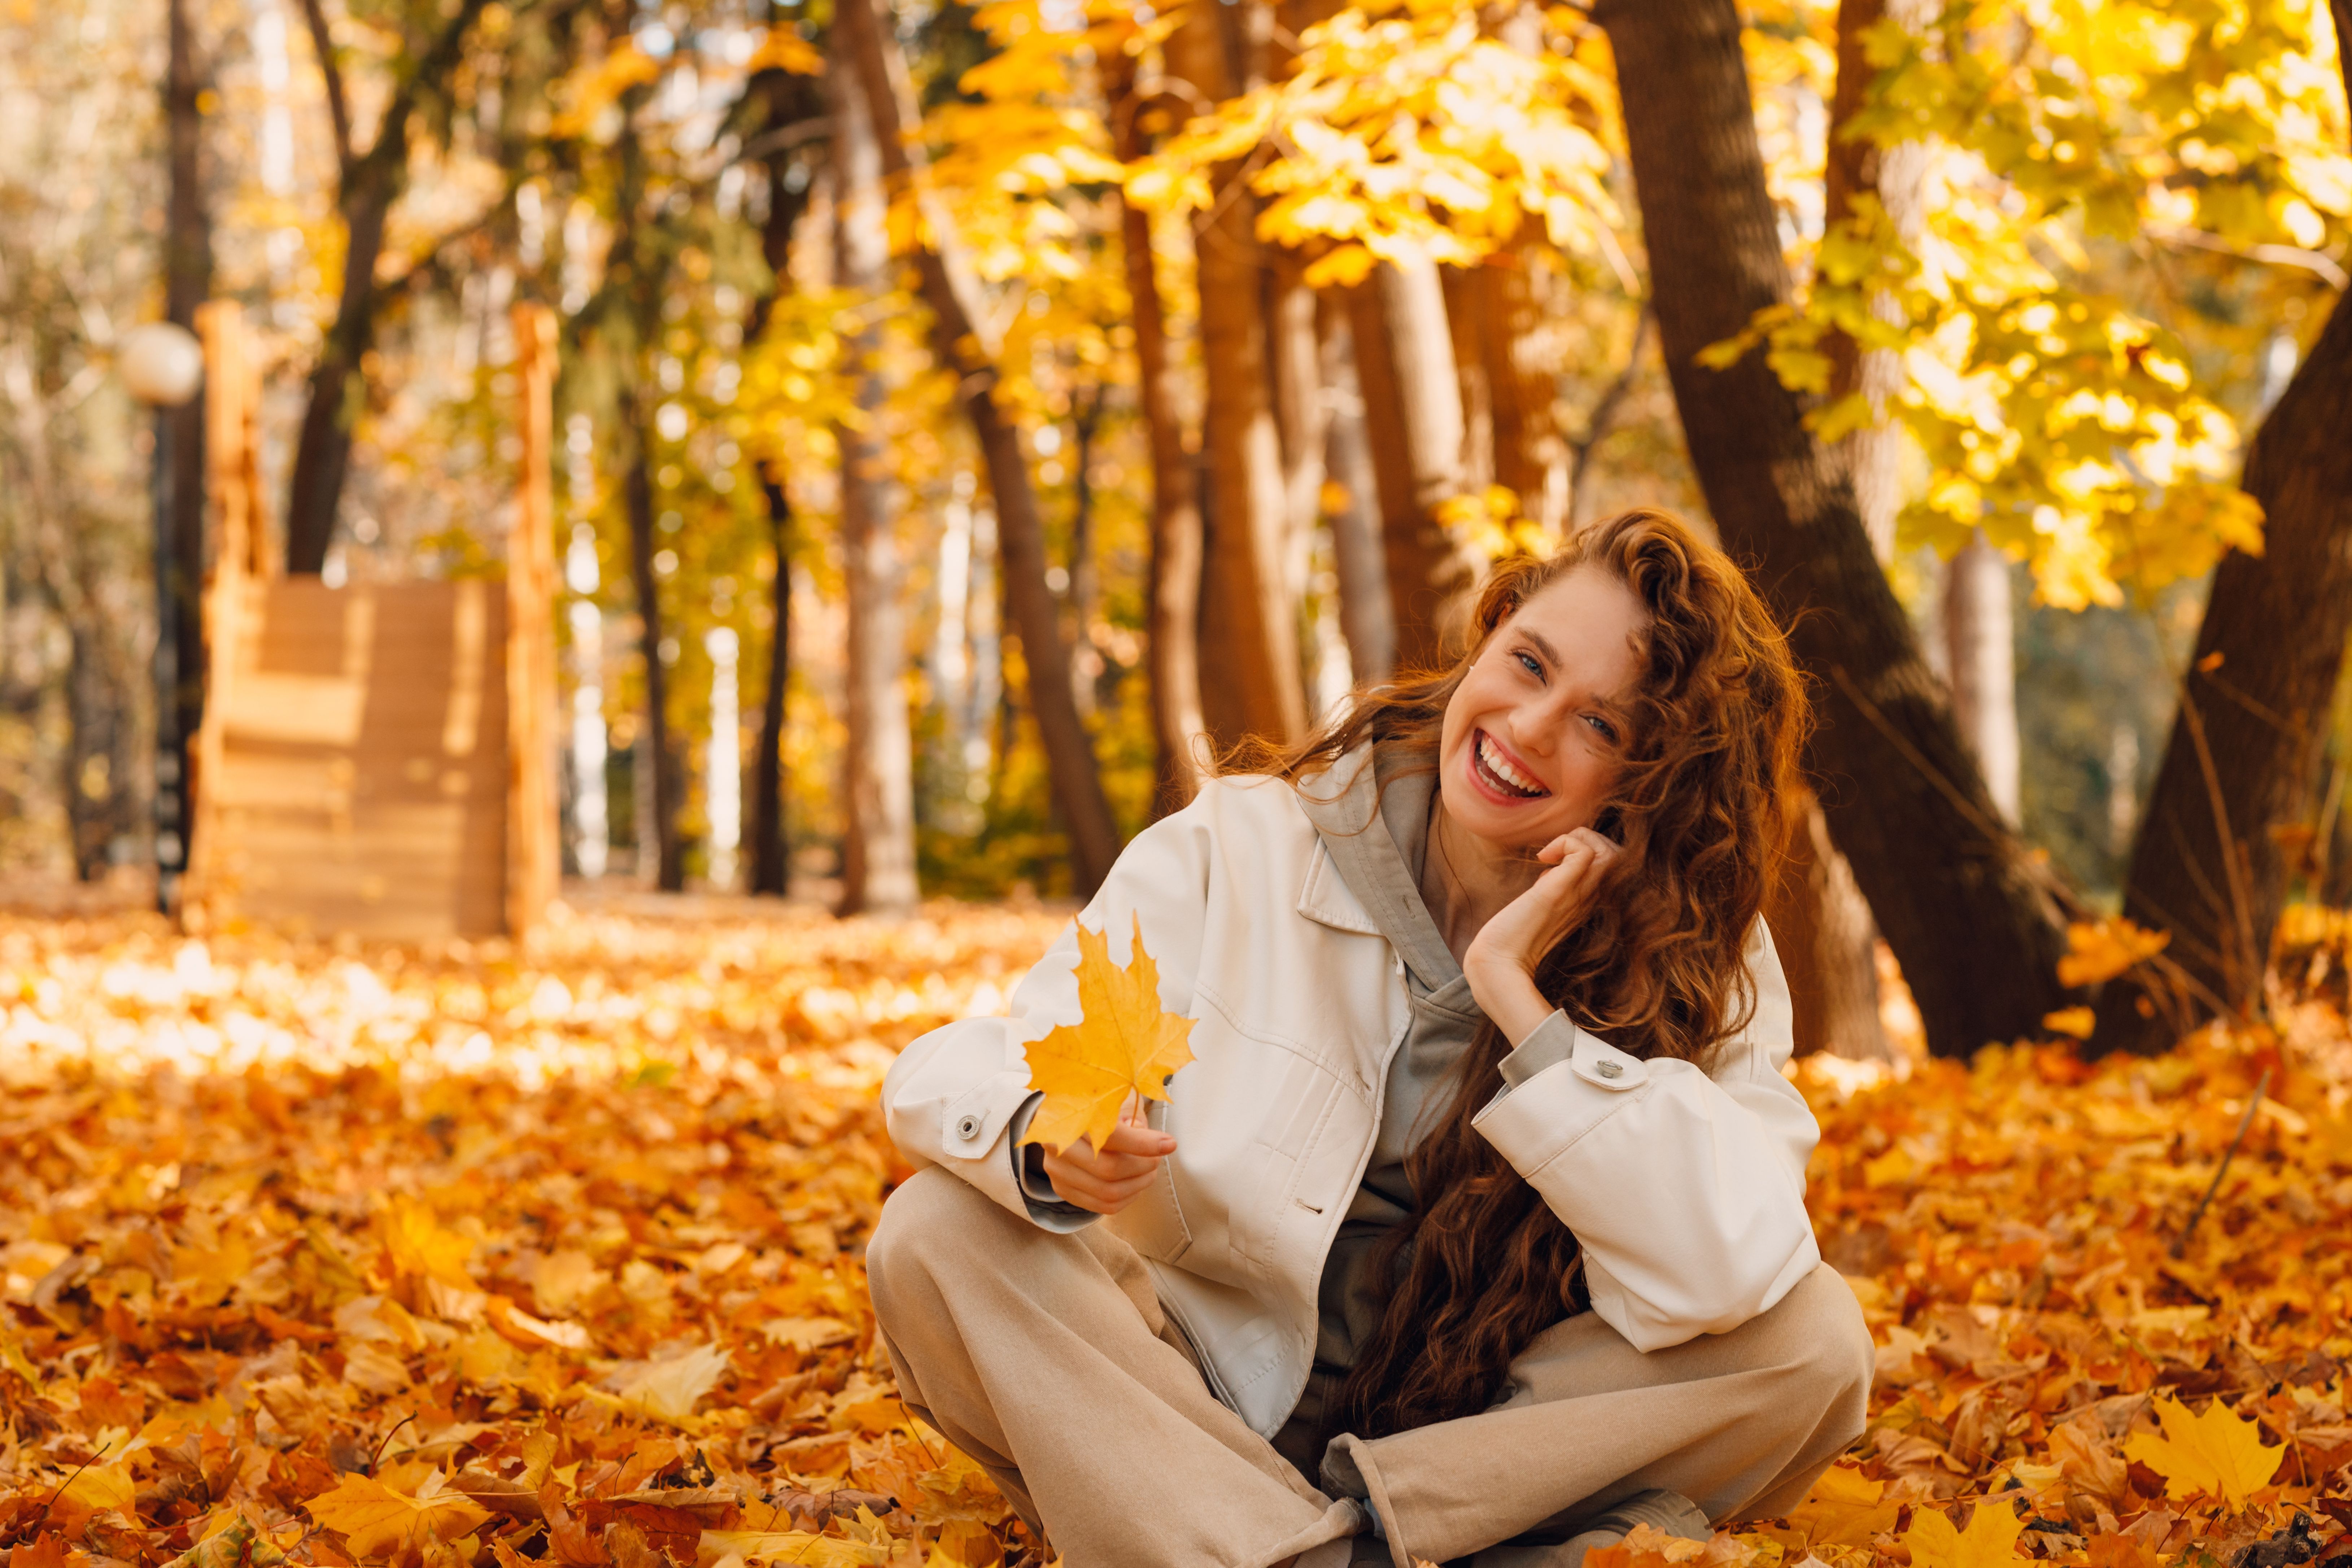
(1125, 1043)
(669, 1389)
(375, 1521)
(420, 1247)
(100, 1486)
(1843, 1509)
(1989, 1541)
(2218, 1453)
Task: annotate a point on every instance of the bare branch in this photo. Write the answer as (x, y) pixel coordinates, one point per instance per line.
(338, 109)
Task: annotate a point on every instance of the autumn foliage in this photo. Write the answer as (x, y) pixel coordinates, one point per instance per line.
(335, 1256)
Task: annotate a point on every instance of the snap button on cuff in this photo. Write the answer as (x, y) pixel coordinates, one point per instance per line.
(969, 1126)
(1609, 1069)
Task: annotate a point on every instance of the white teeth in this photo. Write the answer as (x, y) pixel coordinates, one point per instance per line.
(1504, 770)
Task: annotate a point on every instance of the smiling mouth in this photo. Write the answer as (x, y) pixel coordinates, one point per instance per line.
(1495, 772)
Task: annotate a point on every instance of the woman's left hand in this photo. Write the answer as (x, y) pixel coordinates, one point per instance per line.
(1501, 960)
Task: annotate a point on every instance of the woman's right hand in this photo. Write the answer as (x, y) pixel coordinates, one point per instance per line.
(1105, 1181)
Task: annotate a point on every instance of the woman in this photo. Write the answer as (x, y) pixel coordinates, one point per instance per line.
(1475, 1230)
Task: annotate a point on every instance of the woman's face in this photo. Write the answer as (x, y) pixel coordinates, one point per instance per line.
(1535, 734)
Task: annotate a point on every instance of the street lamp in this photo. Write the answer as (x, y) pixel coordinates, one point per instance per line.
(163, 365)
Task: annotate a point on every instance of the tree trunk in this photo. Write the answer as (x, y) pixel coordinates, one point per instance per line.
(1366, 617)
(669, 770)
(1413, 411)
(878, 860)
(1302, 412)
(963, 341)
(1827, 935)
(1895, 175)
(790, 101)
(1499, 326)
(771, 867)
(2246, 746)
(1250, 681)
(1828, 946)
(1172, 593)
(369, 186)
(1980, 643)
(322, 452)
(187, 283)
(1964, 908)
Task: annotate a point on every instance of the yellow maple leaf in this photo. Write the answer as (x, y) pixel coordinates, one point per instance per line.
(1125, 1043)
(2216, 1453)
(1843, 1509)
(1989, 1541)
(375, 1521)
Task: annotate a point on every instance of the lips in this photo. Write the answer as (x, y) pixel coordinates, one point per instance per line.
(1498, 772)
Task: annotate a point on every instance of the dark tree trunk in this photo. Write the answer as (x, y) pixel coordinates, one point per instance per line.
(789, 99)
(670, 766)
(1967, 914)
(957, 325)
(370, 183)
(1250, 684)
(1172, 607)
(771, 856)
(2246, 747)
(187, 283)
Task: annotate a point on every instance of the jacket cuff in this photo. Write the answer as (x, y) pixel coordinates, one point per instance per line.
(1048, 1208)
(1567, 1083)
(1549, 1043)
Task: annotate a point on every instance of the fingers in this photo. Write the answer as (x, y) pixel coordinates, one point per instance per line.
(1107, 1180)
(1104, 1183)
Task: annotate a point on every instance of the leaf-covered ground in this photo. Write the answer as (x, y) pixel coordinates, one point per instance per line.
(352, 1255)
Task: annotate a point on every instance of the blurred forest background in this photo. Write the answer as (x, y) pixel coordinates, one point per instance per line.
(964, 411)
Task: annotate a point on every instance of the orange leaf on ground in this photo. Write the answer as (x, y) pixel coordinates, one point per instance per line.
(375, 1521)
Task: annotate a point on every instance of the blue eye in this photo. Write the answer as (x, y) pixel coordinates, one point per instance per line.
(1607, 731)
(1527, 661)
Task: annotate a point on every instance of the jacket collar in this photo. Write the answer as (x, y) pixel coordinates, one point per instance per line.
(1359, 880)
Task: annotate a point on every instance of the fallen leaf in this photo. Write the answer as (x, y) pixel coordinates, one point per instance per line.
(1990, 1540)
(2218, 1453)
(375, 1521)
(1124, 1043)
(669, 1389)
(1844, 1508)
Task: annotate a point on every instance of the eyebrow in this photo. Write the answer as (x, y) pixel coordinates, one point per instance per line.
(1551, 656)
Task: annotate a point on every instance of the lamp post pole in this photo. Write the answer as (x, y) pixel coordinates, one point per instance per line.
(164, 366)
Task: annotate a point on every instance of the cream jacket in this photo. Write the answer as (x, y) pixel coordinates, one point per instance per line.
(1685, 1187)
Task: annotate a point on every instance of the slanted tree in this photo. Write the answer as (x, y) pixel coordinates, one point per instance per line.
(1968, 912)
(2210, 866)
(965, 341)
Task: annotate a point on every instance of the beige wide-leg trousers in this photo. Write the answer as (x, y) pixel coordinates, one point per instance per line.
(1049, 1360)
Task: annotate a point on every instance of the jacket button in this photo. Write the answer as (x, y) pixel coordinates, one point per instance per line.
(969, 1126)
(1608, 1068)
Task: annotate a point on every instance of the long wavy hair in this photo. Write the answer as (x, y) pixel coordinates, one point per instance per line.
(1702, 806)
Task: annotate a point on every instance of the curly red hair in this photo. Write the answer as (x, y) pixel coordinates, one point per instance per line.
(1703, 809)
